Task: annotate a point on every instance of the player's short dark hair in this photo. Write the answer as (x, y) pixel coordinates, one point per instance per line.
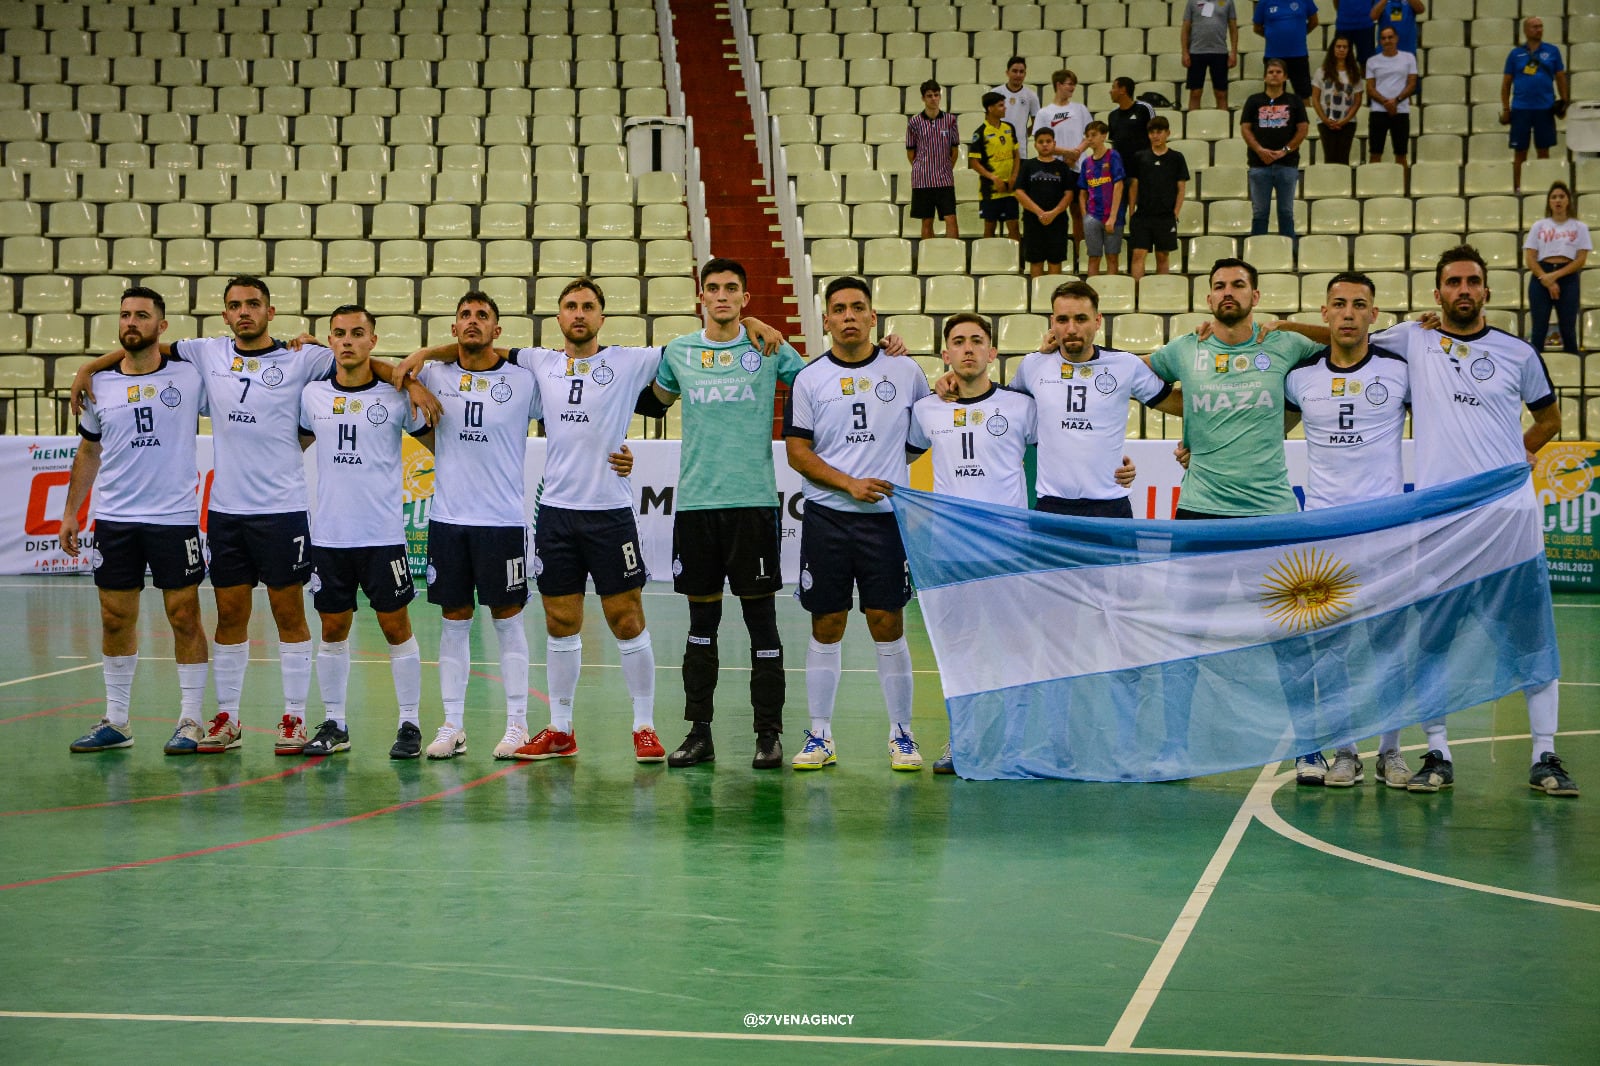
(1044, 131)
(144, 292)
(1353, 277)
(1230, 263)
(1014, 60)
(1274, 62)
(353, 309)
(1126, 84)
(583, 283)
(929, 86)
(841, 284)
(1461, 253)
(724, 266)
(1159, 123)
(1097, 127)
(478, 296)
(1081, 290)
(1063, 75)
(967, 318)
(246, 281)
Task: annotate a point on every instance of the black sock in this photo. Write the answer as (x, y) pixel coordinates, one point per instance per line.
(766, 663)
(700, 661)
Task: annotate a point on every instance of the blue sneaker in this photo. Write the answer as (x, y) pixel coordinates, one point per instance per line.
(104, 737)
(1310, 769)
(817, 753)
(945, 764)
(185, 739)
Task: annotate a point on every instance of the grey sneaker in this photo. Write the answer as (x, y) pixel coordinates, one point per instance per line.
(1345, 771)
(1310, 769)
(1437, 772)
(1391, 769)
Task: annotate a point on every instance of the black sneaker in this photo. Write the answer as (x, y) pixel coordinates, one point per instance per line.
(1547, 776)
(696, 748)
(1437, 772)
(407, 742)
(329, 739)
(769, 751)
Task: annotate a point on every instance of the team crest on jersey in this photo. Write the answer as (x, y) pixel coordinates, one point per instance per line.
(603, 375)
(500, 392)
(1354, 388)
(237, 364)
(1241, 363)
(960, 414)
(355, 407)
(1482, 368)
(1105, 382)
(806, 580)
(466, 383)
(338, 405)
(133, 394)
(677, 567)
(1338, 386)
(1377, 394)
(724, 358)
(252, 365)
(977, 418)
(1263, 361)
(847, 386)
(377, 414)
(996, 424)
(1221, 363)
(581, 367)
(149, 392)
(272, 376)
(885, 391)
(708, 359)
(1085, 371)
(171, 396)
(479, 385)
(751, 361)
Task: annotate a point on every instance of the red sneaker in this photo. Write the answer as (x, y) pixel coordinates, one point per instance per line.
(222, 733)
(291, 738)
(647, 746)
(548, 744)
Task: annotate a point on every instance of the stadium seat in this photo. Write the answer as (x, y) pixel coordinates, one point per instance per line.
(897, 294)
(995, 255)
(1385, 214)
(948, 294)
(1440, 214)
(1002, 294)
(941, 255)
(1321, 252)
(1138, 333)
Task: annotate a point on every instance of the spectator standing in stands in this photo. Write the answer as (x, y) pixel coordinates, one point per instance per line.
(1285, 24)
(993, 154)
(1528, 104)
(1103, 181)
(1022, 103)
(933, 144)
(1210, 42)
(1155, 196)
(1557, 247)
(1336, 98)
(1067, 120)
(1391, 83)
(1357, 20)
(1129, 123)
(1046, 188)
(1402, 15)
(1273, 124)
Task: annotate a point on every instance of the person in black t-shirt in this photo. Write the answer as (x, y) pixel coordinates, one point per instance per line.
(1155, 196)
(1129, 122)
(1273, 124)
(1045, 189)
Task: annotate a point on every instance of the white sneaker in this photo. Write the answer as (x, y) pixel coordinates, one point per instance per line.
(449, 743)
(903, 753)
(817, 753)
(516, 736)
(1345, 771)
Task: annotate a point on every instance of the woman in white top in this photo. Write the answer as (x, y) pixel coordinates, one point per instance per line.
(1336, 98)
(1555, 251)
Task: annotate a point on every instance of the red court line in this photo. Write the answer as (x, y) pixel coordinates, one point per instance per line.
(302, 768)
(52, 710)
(392, 808)
(499, 680)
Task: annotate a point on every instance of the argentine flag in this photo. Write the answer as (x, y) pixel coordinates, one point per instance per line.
(1138, 650)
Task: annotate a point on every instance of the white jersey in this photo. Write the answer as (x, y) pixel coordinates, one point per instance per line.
(1467, 395)
(146, 425)
(360, 476)
(1069, 122)
(1354, 420)
(1083, 418)
(978, 444)
(1021, 107)
(587, 404)
(255, 410)
(856, 416)
(480, 445)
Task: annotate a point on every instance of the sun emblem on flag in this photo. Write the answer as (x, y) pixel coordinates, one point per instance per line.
(1308, 589)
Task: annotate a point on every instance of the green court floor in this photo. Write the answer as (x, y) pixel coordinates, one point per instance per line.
(246, 908)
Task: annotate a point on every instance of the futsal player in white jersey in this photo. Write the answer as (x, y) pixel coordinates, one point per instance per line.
(845, 428)
(139, 433)
(1469, 385)
(257, 529)
(1352, 397)
(358, 529)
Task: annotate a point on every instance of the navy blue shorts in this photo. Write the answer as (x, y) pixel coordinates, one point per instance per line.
(1538, 125)
(738, 545)
(1119, 507)
(1000, 209)
(842, 550)
(569, 546)
(382, 572)
(1214, 63)
(122, 550)
(258, 549)
(489, 560)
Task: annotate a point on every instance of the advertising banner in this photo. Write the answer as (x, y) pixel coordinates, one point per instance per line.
(1564, 480)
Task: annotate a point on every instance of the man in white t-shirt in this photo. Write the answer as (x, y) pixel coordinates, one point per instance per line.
(1069, 121)
(1391, 83)
(1022, 103)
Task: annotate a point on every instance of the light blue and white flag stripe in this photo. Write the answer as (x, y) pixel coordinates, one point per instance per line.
(1138, 650)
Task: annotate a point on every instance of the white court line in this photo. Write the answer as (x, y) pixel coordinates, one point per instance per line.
(1144, 997)
(680, 1034)
(53, 673)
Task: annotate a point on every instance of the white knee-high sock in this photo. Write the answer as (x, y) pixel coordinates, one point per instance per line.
(514, 667)
(405, 666)
(228, 678)
(1544, 712)
(294, 661)
(894, 677)
(333, 678)
(563, 664)
(639, 672)
(191, 689)
(823, 664)
(1434, 730)
(118, 671)
(454, 637)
